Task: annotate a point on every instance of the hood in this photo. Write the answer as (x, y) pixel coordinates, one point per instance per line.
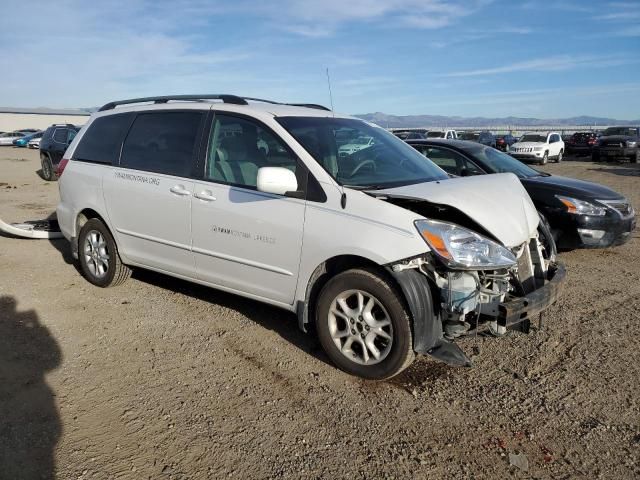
(618, 138)
(528, 144)
(572, 187)
(499, 203)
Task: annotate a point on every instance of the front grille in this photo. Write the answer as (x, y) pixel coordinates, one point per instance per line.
(612, 144)
(623, 207)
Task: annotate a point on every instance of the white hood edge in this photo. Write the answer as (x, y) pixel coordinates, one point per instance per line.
(497, 202)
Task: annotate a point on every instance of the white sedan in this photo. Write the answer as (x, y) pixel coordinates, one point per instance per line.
(9, 137)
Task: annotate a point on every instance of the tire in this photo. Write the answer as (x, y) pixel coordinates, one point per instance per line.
(47, 168)
(351, 327)
(559, 157)
(595, 156)
(546, 238)
(94, 243)
(635, 158)
(545, 158)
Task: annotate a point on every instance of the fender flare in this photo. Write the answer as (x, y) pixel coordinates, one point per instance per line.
(428, 337)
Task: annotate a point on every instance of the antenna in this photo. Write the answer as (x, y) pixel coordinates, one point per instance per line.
(330, 94)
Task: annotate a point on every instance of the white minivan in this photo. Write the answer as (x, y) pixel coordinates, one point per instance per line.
(378, 250)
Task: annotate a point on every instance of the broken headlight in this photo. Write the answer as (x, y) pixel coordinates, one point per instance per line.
(461, 248)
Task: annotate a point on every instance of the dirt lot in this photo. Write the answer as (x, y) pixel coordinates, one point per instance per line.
(163, 379)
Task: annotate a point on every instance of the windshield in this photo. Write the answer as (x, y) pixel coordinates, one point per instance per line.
(626, 131)
(362, 141)
(497, 162)
(533, 137)
(435, 134)
(386, 162)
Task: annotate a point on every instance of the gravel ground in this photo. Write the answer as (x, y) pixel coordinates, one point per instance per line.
(163, 379)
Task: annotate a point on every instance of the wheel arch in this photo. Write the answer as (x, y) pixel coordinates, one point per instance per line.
(82, 217)
(322, 274)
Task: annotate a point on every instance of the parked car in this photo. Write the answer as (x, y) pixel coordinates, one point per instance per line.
(618, 143)
(484, 137)
(356, 144)
(581, 143)
(34, 142)
(379, 249)
(450, 134)
(6, 139)
(538, 148)
(504, 142)
(53, 144)
(581, 214)
(29, 130)
(409, 134)
(23, 141)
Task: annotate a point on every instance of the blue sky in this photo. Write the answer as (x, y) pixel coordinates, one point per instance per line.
(470, 58)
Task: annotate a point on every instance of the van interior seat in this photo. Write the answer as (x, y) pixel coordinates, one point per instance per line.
(236, 160)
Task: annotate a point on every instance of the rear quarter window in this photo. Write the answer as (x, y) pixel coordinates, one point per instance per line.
(103, 139)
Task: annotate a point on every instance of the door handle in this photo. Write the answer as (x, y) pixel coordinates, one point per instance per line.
(205, 195)
(179, 190)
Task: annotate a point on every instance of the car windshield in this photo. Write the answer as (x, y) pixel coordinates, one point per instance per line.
(497, 162)
(386, 162)
(435, 134)
(626, 131)
(362, 141)
(533, 137)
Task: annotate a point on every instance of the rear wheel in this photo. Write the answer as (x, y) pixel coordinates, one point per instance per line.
(635, 158)
(363, 325)
(595, 156)
(98, 254)
(47, 168)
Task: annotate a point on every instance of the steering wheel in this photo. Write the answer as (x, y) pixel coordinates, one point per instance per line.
(361, 165)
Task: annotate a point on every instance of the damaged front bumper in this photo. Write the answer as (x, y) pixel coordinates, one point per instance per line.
(429, 336)
(518, 309)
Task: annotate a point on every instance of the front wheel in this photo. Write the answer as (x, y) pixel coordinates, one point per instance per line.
(545, 158)
(98, 254)
(559, 158)
(363, 325)
(635, 158)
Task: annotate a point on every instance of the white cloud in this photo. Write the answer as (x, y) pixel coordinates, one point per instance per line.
(312, 18)
(548, 64)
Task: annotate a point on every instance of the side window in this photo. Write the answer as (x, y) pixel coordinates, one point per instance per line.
(60, 135)
(162, 142)
(239, 147)
(469, 168)
(448, 160)
(71, 135)
(101, 143)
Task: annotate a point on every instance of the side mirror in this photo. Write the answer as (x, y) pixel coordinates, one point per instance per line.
(276, 180)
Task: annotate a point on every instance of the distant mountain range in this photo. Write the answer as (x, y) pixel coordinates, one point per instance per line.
(416, 121)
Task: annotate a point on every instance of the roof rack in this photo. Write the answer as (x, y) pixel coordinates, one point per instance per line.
(62, 125)
(233, 99)
(305, 105)
(164, 99)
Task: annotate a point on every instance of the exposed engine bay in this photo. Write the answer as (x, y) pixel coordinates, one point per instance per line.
(473, 300)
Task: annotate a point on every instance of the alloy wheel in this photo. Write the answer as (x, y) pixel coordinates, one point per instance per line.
(360, 327)
(96, 254)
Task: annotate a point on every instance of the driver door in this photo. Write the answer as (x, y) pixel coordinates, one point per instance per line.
(245, 240)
